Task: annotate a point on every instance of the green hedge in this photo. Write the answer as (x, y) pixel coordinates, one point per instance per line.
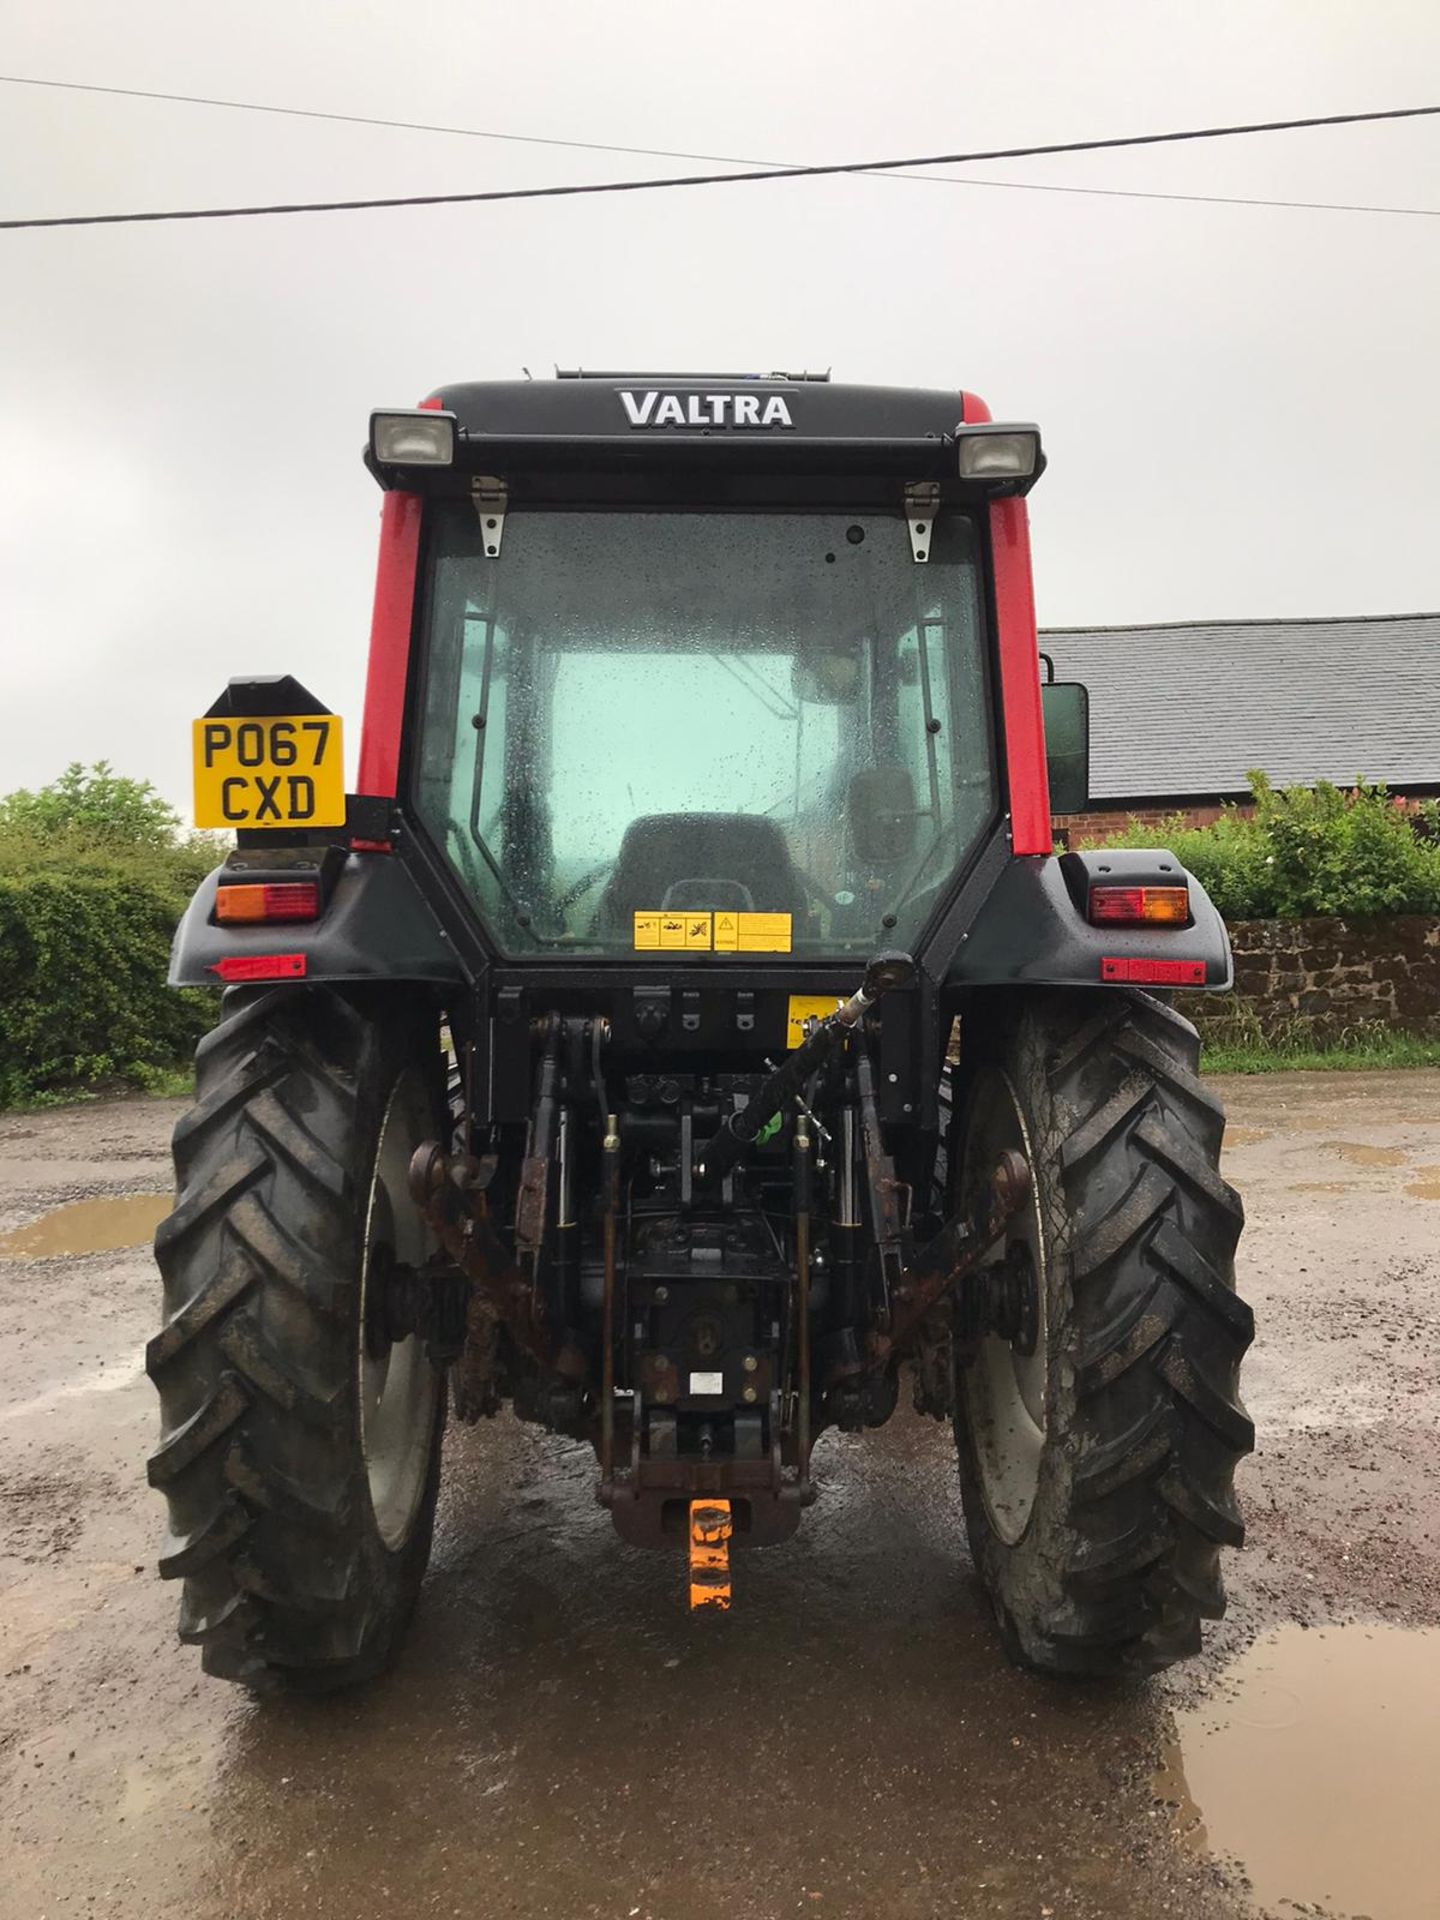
(83, 954)
(1305, 851)
(93, 878)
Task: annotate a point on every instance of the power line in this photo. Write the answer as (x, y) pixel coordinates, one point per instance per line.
(371, 120)
(1194, 199)
(576, 189)
(672, 153)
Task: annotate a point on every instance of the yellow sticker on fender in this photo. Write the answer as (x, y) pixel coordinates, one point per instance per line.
(752, 933)
(269, 772)
(803, 1007)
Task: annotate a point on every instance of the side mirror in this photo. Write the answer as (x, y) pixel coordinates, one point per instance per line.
(1067, 744)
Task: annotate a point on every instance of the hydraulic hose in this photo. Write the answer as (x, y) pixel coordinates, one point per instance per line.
(739, 1129)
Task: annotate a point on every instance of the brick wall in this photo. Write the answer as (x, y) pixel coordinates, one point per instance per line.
(1098, 823)
(1084, 829)
(1331, 974)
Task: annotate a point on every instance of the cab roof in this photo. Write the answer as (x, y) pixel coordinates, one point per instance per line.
(645, 406)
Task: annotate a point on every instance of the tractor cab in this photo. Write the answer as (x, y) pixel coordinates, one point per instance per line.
(713, 653)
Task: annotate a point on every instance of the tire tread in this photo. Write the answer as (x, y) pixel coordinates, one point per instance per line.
(285, 1581)
(1152, 1340)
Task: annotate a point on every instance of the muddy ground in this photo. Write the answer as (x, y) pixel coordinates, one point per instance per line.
(561, 1739)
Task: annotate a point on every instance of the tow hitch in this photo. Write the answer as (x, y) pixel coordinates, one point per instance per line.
(710, 1528)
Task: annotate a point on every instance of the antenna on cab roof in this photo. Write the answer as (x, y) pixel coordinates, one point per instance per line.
(632, 373)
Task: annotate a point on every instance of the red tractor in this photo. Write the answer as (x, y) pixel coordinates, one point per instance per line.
(687, 1030)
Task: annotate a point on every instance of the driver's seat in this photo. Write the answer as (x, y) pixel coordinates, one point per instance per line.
(700, 860)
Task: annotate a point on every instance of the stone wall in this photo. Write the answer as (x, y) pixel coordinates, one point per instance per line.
(1330, 974)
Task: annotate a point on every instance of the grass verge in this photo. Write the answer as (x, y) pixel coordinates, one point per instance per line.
(161, 1083)
(1351, 1053)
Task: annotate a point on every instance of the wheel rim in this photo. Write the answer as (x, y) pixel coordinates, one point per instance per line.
(398, 1385)
(1004, 1392)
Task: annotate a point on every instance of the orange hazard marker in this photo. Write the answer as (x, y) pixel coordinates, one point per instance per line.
(710, 1529)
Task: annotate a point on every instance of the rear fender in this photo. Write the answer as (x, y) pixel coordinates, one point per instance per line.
(376, 926)
(1032, 929)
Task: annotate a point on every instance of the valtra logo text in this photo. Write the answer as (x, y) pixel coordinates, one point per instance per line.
(705, 410)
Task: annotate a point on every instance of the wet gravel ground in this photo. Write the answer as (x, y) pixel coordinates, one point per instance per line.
(561, 1739)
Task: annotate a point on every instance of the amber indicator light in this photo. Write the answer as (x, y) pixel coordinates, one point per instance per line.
(253, 905)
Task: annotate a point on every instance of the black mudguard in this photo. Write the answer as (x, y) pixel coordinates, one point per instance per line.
(1032, 929)
(376, 925)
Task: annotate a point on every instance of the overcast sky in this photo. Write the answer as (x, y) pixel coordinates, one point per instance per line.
(1239, 403)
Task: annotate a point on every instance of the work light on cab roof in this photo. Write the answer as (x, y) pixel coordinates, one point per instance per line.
(687, 1028)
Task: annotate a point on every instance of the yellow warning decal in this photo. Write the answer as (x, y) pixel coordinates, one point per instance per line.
(803, 1007)
(672, 932)
(720, 932)
(752, 933)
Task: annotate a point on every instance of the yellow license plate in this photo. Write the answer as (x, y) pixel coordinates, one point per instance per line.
(269, 772)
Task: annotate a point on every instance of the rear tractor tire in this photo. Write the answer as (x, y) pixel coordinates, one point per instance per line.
(1098, 1449)
(300, 1448)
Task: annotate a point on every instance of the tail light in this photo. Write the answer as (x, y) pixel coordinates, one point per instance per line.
(253, 904)
(1140, 906)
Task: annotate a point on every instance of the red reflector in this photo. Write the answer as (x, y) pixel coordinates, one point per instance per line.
(260, 966)
(370, 846)
(1139, 906)
(1155, 973)
(277, 900)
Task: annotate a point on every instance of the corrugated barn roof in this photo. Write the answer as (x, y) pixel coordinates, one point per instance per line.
(1188, 709)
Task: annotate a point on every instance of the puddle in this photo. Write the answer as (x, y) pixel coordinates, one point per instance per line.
(1361, 1155)
(1314, 1765)
(89, 1226)
(1245, 1136)
(1324, 1186)
(1427, 1184)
